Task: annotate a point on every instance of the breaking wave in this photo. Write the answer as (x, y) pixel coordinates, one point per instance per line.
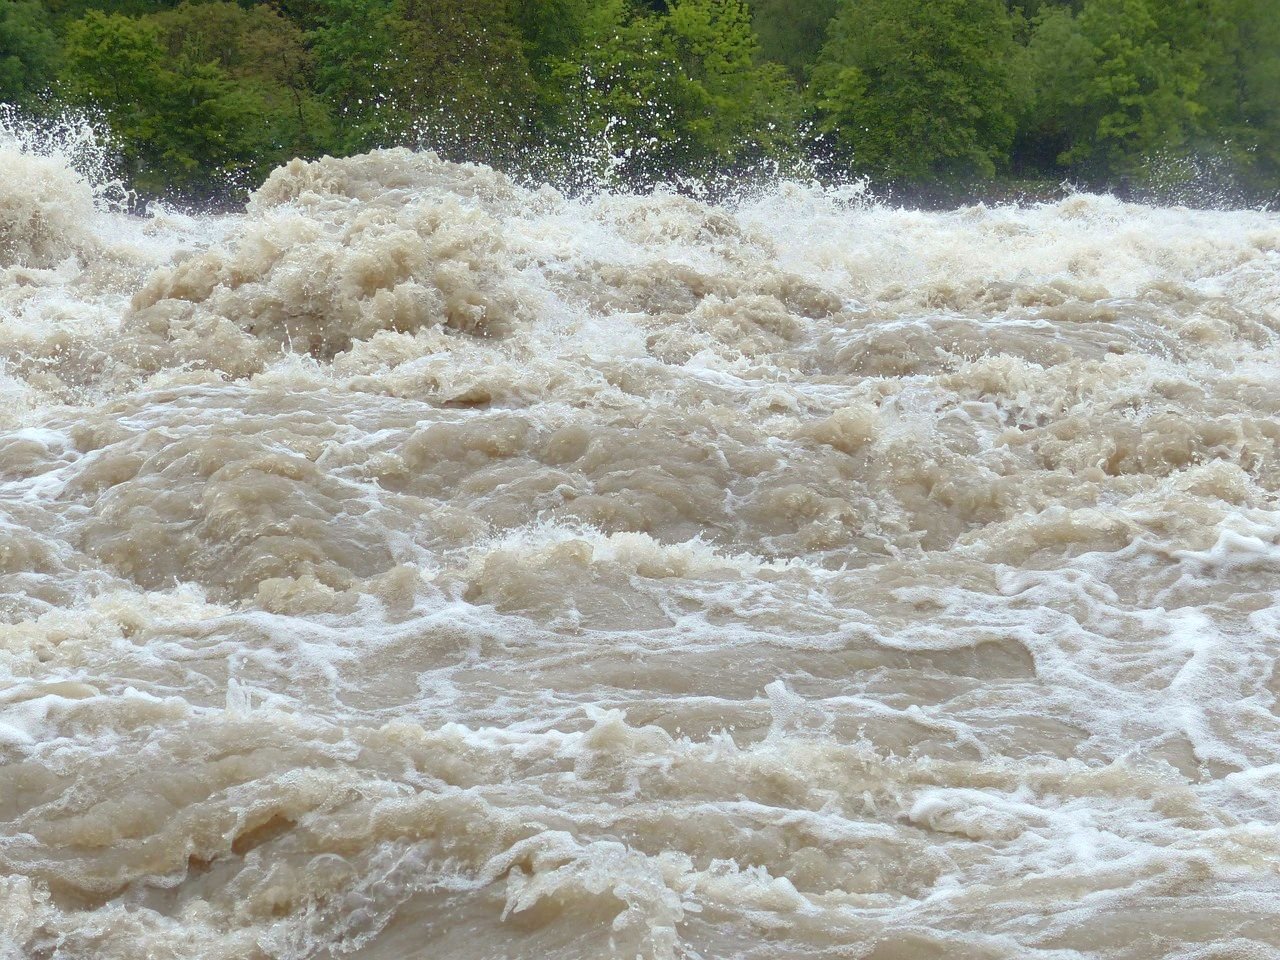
(420, 564)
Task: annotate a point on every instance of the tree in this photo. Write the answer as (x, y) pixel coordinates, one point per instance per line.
(1117, 83)
(265, 56)
(354, 46)
(75, 9)
(791, 32)
(465, 77)
(184, 125)
(679, 93)
(28, 51)
(1241, 92)
(751, 104)
(558, 29)
(917, 89)
(451, 73)
(203, 94)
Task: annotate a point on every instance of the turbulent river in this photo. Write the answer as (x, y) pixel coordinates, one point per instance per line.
(420, 565)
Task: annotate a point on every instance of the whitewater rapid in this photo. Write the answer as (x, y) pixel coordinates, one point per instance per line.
(421, 565)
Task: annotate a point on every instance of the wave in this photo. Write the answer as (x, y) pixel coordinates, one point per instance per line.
(420, 563)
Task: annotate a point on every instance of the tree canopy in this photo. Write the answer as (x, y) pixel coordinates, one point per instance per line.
(28, 50)
(206, 95)
(917, 89)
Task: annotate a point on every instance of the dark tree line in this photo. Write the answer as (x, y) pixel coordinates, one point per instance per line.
(205, 95)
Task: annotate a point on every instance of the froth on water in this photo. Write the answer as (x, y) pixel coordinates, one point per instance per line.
(423, 565)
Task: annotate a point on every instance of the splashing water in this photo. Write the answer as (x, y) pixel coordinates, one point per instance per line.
(423, 565)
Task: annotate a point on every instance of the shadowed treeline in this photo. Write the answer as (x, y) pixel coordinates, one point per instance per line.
(927, 96)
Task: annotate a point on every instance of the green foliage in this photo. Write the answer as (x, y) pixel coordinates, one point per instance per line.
(1116, 83)
(917, 89)
(71, 9)
(791, 31)
(463, 75)
(265, 56)
(1241, 91)
(184, 124)
(353, 45)
(627, 91)
(28, 50)
(751, 107)
(680, 93)
(396, 71)
(207, 93)
(555, 30)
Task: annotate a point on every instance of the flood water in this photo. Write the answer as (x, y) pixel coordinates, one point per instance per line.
(419, 565)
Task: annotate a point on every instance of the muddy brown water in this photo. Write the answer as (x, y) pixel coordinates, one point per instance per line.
(419, 565)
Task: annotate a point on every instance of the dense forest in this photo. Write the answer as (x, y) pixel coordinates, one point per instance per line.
(204, 96)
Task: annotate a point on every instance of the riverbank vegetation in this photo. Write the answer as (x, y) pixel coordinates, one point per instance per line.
(203, 97)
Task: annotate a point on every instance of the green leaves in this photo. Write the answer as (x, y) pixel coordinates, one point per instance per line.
(451, 74)
(28, 51)
(680, 93)
(1116, 82)
(917, 89)
(1241, 88)
(792, 31)
(204, 94)
(189, 93)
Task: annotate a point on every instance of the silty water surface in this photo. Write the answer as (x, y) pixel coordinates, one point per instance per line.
(421, 565)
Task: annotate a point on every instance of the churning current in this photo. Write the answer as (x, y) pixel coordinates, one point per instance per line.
(420, 565)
